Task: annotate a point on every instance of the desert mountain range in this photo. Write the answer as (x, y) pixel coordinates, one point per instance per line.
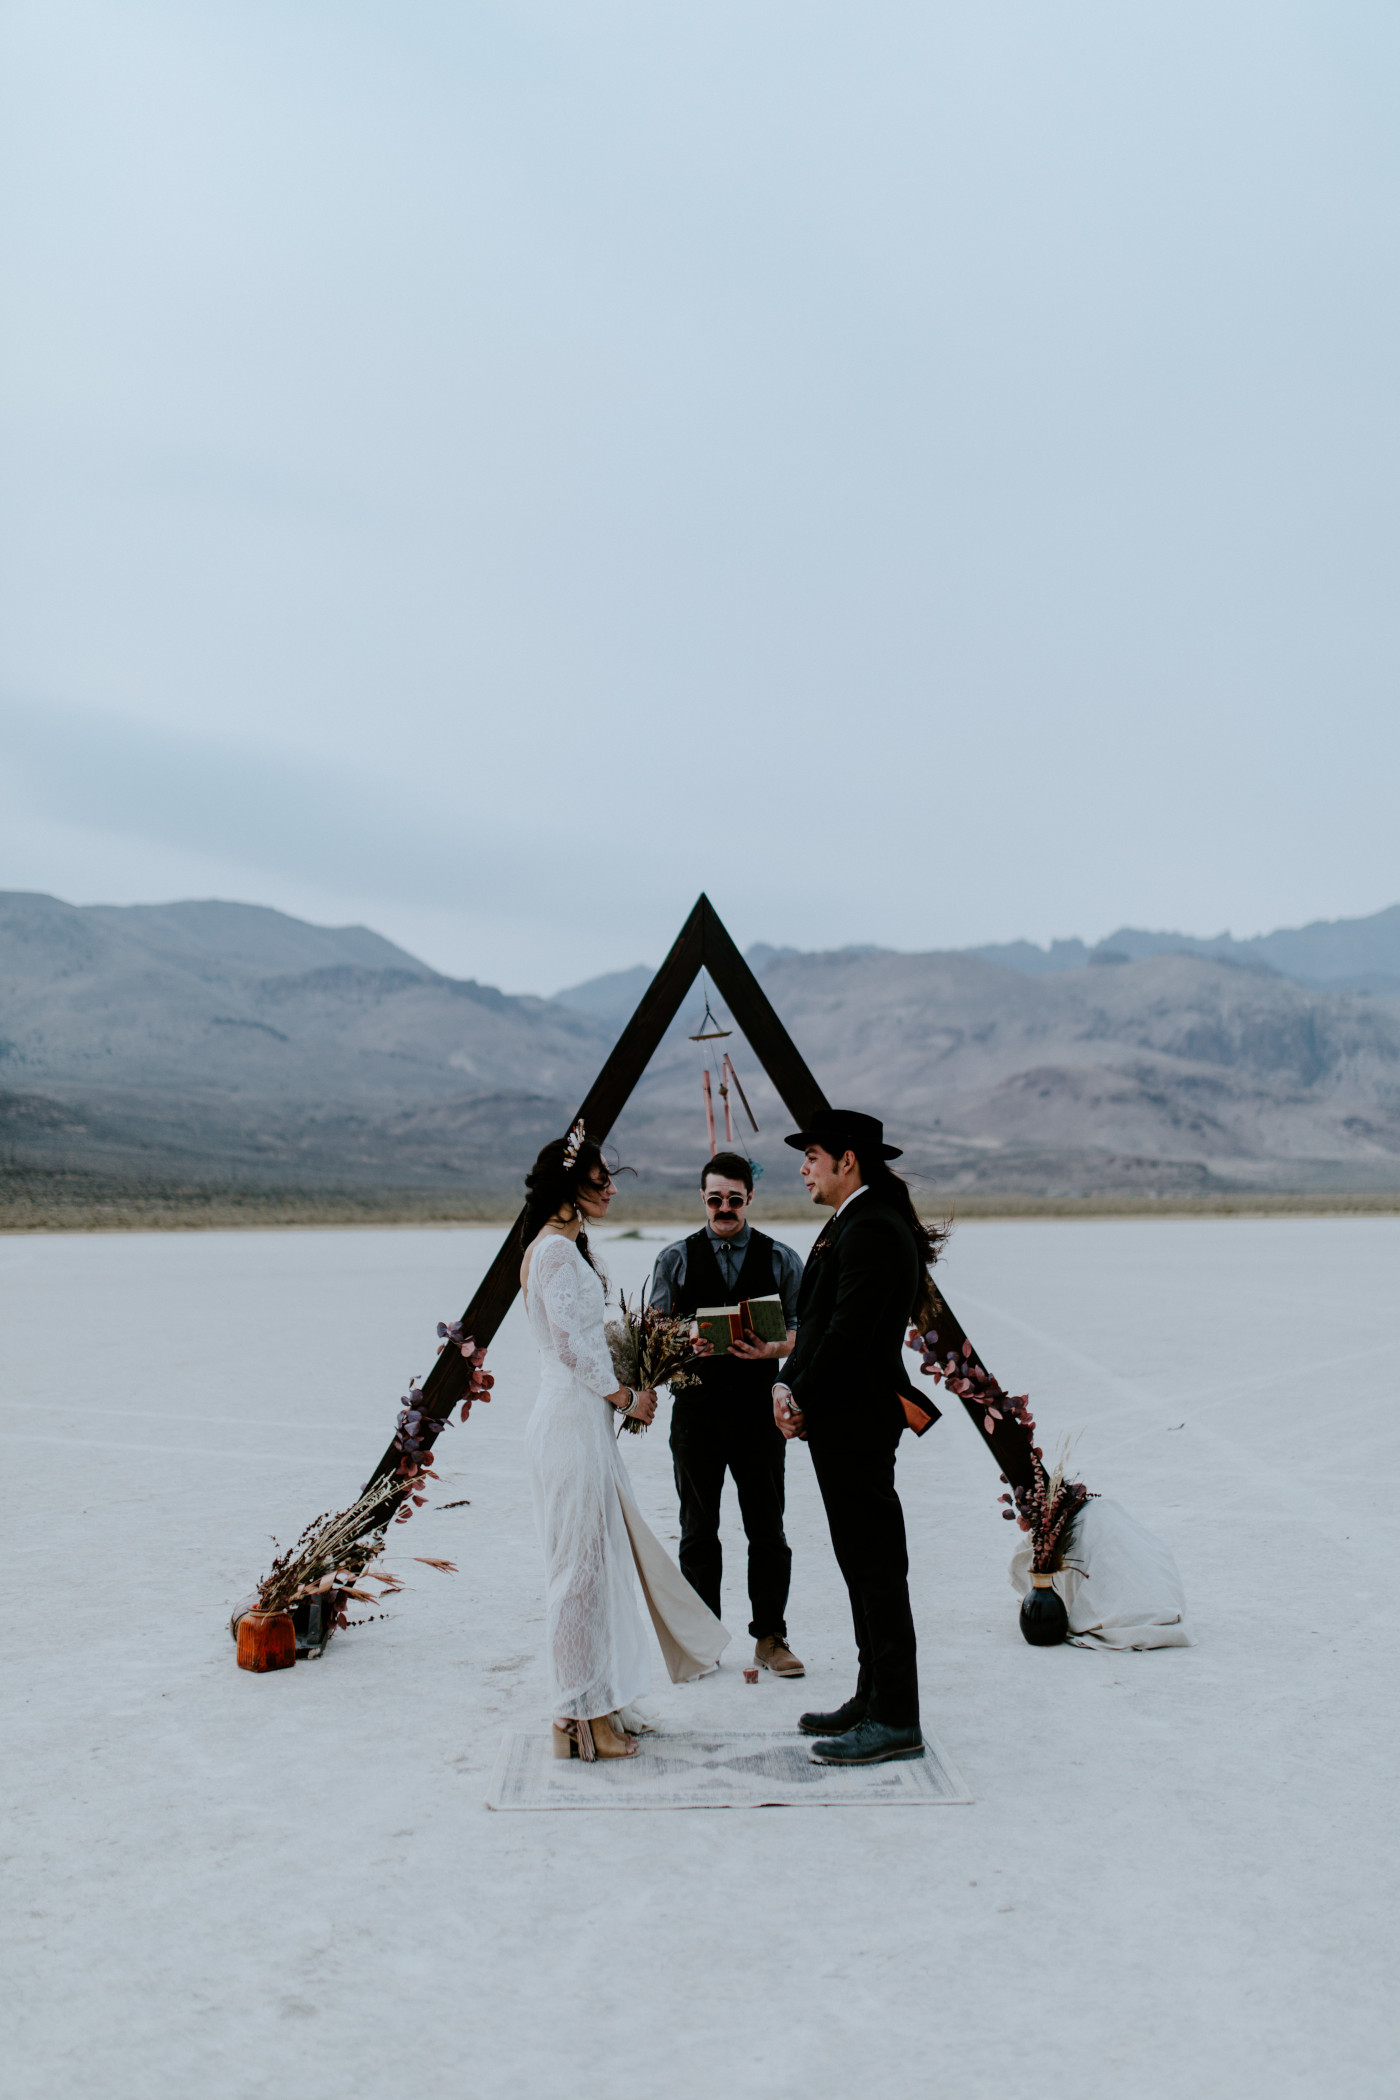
(229, 1043)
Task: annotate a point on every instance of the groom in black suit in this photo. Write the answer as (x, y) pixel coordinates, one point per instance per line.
(846, 1390)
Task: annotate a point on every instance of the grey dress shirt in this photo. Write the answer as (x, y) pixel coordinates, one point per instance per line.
(669, 1272)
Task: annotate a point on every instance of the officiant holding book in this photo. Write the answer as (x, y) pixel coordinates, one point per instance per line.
(724, 1423)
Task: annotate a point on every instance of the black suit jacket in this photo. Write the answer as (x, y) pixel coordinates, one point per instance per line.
(853, 1312)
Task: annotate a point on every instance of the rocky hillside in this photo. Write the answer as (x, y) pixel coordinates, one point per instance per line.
(231, 1038)
(1340, 955)
(1170, 1072)
(227, 1041)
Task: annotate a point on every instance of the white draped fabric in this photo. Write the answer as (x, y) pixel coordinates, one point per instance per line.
(1123, 1590)
(596, 1543)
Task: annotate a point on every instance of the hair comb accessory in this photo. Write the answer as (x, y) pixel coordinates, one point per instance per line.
(573, 1144)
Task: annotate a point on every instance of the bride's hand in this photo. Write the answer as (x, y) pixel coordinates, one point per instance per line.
(644, 1409)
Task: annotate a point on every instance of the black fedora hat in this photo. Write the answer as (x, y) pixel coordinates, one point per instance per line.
(837, 1130)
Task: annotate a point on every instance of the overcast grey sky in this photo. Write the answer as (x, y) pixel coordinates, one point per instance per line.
(925, 472)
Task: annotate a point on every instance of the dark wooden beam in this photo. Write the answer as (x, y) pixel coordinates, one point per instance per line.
(624, 1065)
(641, 1038)
(702, 943)
(750, 1006)
(1007, 1441)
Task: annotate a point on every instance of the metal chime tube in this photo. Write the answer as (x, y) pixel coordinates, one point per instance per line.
(709, 1111)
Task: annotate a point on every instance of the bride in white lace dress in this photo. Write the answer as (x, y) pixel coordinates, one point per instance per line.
(596, 1544)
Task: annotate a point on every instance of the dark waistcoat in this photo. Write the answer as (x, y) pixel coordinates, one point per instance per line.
(727, 1377)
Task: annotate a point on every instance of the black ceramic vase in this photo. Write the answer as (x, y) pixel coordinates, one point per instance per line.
(314, 1620)
(1044, 1620)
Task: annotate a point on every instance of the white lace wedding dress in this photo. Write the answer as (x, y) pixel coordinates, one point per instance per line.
(593, 1535)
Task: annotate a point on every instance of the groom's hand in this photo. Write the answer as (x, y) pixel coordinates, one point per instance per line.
(787, 1414)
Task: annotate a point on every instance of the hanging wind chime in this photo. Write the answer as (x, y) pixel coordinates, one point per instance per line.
(710, 1031)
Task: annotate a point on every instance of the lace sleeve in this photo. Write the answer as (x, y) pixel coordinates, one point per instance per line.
(575, 1325)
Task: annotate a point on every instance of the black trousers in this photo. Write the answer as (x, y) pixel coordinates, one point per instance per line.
(710, 1436)
(855, 1472)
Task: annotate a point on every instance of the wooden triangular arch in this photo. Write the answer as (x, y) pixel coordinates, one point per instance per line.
(702, 944)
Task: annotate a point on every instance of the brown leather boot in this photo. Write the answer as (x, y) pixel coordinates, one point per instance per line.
(773, 1653)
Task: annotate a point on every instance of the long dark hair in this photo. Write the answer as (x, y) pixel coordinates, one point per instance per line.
(550, 1186)
(889, 1187)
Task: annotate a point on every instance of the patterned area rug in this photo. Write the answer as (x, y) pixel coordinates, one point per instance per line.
(726, 1768)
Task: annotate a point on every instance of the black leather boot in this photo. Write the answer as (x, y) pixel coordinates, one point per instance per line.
(870, 1743)
(836, 1723)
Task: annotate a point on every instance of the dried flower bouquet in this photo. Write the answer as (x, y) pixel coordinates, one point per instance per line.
(1047, 1505)
(336, 1550)
(649, 1349)
(334, 1554)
